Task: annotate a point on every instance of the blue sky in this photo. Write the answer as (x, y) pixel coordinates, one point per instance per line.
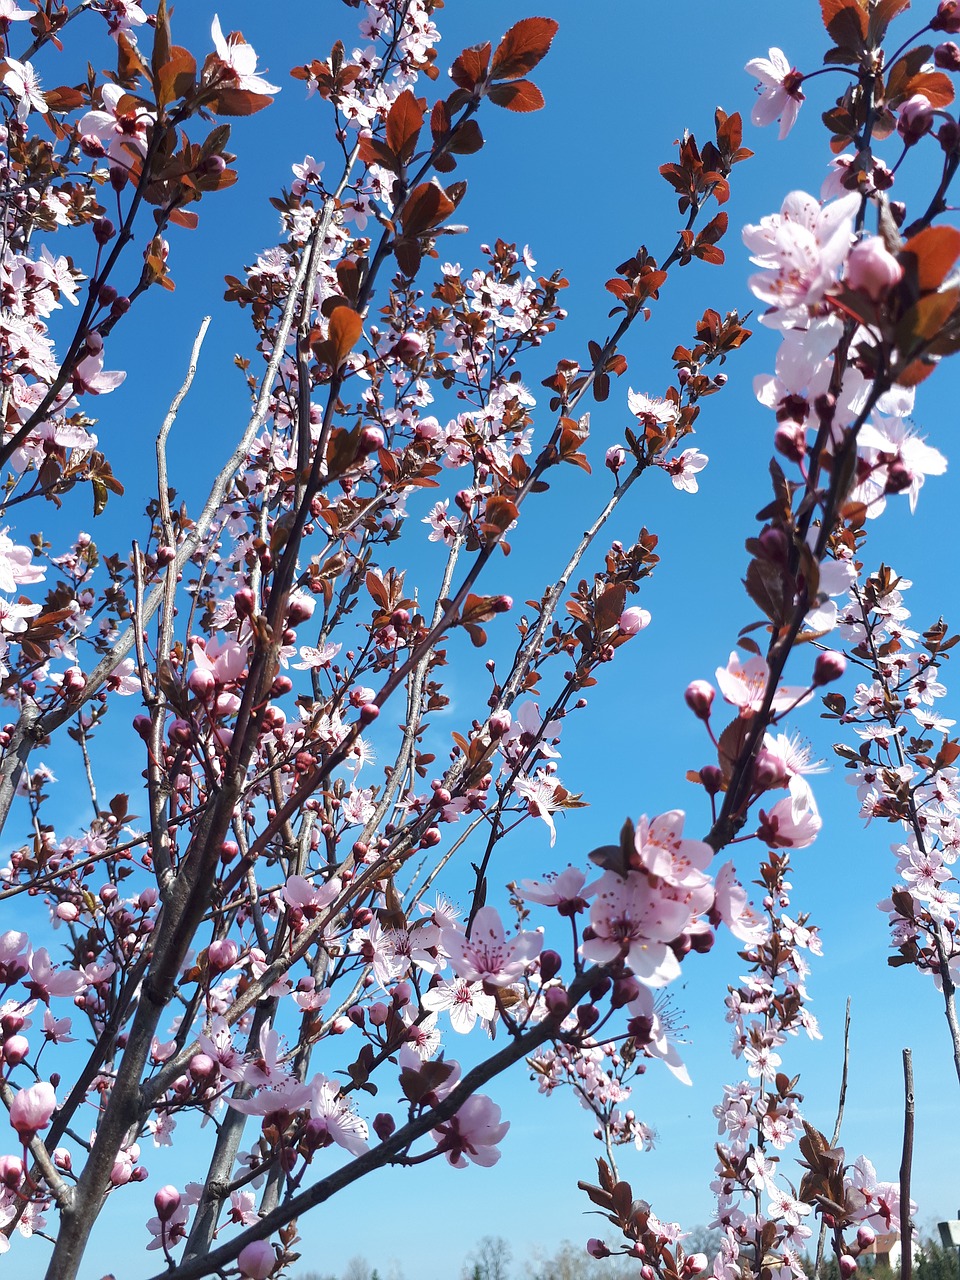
(579, 183)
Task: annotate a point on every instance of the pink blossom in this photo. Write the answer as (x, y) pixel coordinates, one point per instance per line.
(656, 1040)
(487, 956)
(472, 1133)
(801, 249)
(241, 58)
(744, 684)
(257, 1260)
(24, 85)
(464, 1001)
(793, 823)
(334, 1116)
(652, 410)
(563, 890)
(633, 620)
(664, 853)
(629, 918)
(734, 909)
(32, 1109)
(779, 89)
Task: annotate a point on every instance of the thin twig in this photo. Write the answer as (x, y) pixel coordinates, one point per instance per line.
(906, 1167)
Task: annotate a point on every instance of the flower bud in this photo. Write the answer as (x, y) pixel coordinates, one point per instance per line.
(103, 231)
(557, 1001)
(597, 1249)
(699, 695)
(866, 1236)
(257, 1260)
(166, 1202)
(915, 118)
(848, 1266)
(500, 723)
(947, 56)
(616, 456)
(947, 17)
(369, 712)
(633, 620)
(384, 1125)
(15, 1049)
(872, 269)
(32, 1109)
(201, 682)
(550, 964)
(11, 1171)
(828, 667)
(768, 771)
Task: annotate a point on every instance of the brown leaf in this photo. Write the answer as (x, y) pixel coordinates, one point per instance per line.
(522, 48)
(425, 208)
(471, 66)
(404, 123)
(519, 95)
(936, 249)
(344, 333)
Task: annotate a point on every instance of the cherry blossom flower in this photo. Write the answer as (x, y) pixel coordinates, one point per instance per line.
(487, 956)
(241, 58)
(24, 85)
(472, 1133)
(779, 89)
(333, 1116)
(119, 136)
(464, 1001)
(652, 410)
(629, 918)
(802, 250)
(286, 1098)
(563, 890)
(657, 1042)
(793, 823)
(743, 684)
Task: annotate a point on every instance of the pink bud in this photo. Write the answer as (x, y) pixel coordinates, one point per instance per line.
(68, 911)
(201, 682)
(915, 118)
(257, 1260)
(384, 1125)
(500, 723)
(550, 964)
(633, 620)
(222, 955)
(32, 1108)
(872, 268)
(694, 1264)
(828, 667)
(699, 695)
(15, 1049)
(369, 712)
(866, 1236)
(848, 1266)
(947, 56)
(616, 457)
(557, 1001)
(371, 438)
(166, 1202)
(202, 1067)
(11, 1171)
(597, 1249)
(947, 17)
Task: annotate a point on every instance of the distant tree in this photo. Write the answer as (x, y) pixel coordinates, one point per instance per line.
(490, 1260)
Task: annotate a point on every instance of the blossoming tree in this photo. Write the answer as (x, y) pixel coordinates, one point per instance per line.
(278, 950)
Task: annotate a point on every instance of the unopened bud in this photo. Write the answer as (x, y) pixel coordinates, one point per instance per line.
(166, 1202)
(828, 667)
(699, 695)
(872, 269)
(550, 964)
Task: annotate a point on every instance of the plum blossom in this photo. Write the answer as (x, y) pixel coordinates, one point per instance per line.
(779, 89)
(684, 468)
(801, 250)
(472, 1133)
(241, 58)
(652, 410)
(464, 1001)
(657, 1042)
(24, 85)
(629, 918)
(333, 1116)
(743, 684)
(487, 956)
(32, 1109)
(793, 823)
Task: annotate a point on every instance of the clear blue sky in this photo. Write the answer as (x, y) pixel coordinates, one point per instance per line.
(579, 183)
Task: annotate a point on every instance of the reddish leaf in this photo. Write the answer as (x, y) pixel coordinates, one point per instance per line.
(183, 218)
(519, 95)
(404, 123)
(161, 41)
(63, 98)
(467, 139)
(471, 67)
(934, 85)
(833, 10)
(522, 48)
(344, 332)
(425, 207)
(936, 249)
(499, 515)
(177, 76)
(238, 102)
